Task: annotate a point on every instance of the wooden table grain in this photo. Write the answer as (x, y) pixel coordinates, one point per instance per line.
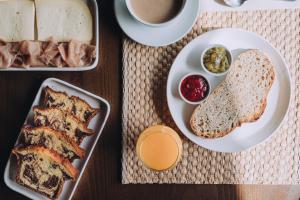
(102, 177)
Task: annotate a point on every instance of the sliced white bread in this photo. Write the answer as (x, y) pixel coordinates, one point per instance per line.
(240, 98)
(64, 20)
(16, 20)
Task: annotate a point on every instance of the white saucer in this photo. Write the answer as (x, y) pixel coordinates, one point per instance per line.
(249, 134)
(157, 36)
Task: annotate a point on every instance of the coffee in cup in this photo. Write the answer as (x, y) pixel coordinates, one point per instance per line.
(155, 12)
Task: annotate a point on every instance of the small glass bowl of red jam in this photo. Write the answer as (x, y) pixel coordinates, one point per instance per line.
(194, 88)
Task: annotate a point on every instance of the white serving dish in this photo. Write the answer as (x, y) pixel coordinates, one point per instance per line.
(93, 6)
(97, 124)
(249, 134)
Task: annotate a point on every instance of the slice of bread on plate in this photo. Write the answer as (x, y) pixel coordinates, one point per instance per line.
(74, 105)
(59, 120)
(240, 98)
(51, 139)
(43, 170)
(17, 20)
(64, 20)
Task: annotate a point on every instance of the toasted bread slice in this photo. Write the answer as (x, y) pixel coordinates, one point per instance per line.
(240, 98)
(62, 121)
(52, 139)
(43, 170)
(74, 105)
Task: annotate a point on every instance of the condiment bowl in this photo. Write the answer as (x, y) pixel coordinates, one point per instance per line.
(133, 14)
(229, 56)
(190, 75)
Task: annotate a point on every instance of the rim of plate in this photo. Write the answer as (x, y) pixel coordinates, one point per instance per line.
(152, 42)
(169, 80)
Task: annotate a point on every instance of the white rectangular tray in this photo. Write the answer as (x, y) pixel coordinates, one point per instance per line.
(92, 4)
(97, 124)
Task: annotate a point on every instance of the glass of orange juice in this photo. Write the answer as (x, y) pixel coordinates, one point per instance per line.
(159, 148)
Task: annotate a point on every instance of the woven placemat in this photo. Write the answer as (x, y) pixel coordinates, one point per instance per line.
(145, 70)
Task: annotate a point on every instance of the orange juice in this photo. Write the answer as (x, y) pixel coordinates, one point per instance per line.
(159, 148)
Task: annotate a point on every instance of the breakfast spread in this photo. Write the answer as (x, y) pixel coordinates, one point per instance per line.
(216, 59)
(59, 33)
(159, 148)
(63, 30)
(45, 151)
(240, 98)
(194, 88)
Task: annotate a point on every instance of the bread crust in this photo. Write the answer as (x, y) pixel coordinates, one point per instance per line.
(254, 117)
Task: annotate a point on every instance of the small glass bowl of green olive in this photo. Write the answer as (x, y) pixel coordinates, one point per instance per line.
(216, 60)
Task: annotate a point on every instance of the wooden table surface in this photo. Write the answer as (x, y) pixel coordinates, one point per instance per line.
(102, 177)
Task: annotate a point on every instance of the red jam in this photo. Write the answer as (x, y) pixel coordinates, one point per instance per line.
(194, 88)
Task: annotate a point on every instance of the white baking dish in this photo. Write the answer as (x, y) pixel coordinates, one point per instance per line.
(97, 124)
(92, 4)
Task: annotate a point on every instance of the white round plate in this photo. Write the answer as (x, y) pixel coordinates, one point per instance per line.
(157, 36)
(249, 134)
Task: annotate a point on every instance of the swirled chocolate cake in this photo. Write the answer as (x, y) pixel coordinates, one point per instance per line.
(74, 105)
(59, 120)
(51, 139)
(43, 170)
